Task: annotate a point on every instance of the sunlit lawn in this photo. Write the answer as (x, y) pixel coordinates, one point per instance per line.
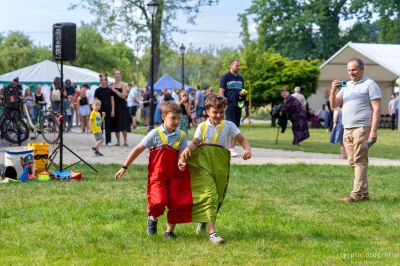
(273, 215)
(264, 136)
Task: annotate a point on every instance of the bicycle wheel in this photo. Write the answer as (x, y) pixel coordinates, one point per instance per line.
(12, 128)
(50, 129)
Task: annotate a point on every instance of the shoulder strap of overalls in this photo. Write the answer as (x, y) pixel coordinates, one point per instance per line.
(164, 139)
(162, 136)
(215, 138)
(176, 144)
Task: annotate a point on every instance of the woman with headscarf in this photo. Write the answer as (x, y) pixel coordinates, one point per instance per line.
(297, 116)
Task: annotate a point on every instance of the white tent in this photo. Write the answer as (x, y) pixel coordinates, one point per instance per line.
(382, 64)
(43, 74)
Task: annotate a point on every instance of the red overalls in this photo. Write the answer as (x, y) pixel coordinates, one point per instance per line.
(168, 186)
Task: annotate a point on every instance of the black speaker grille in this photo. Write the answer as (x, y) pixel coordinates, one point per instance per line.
(64, 41)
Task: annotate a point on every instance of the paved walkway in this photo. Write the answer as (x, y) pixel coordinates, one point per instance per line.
(81, 143)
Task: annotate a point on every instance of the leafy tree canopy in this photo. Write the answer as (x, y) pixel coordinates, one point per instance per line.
(101, 55)
(314, 29)
(17, 51)
(131, 20)
(267, 71)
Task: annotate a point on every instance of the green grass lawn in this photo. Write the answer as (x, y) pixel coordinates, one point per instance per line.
(264, 136)
(273, 215)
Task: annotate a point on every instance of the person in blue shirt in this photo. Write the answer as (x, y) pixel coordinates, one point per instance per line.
(230, 86)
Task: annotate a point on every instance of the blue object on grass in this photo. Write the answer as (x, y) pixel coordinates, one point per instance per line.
(62, 175)
(24, 177)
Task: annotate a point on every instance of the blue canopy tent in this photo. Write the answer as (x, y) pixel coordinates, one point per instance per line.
(167, 82)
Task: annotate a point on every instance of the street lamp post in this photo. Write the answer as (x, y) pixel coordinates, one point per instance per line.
(183, 48)
(152, 7)
(137, 72)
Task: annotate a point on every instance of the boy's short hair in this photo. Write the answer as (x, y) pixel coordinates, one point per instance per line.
(95, 101)
(170, 107)
(215, 100)
(85, 85)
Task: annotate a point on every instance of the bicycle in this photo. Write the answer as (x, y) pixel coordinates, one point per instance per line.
(16, 130)
(49, 125)
(12, 126)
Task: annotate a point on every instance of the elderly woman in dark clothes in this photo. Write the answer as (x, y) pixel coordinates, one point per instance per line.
(297, 116)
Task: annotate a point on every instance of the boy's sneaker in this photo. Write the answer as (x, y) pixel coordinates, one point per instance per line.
(170, 235)
(216, 239)
(93, 149)
(151, 227)
(99, 153)
(233, 153)
(201, 227)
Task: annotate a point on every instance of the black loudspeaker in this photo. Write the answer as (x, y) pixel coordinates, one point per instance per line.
(64, 41)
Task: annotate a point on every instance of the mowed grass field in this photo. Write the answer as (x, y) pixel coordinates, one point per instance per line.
(262, 135)
(272, 215)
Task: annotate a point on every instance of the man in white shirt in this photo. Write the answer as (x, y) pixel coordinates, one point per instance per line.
(132, 103)
(361, 112)
(300, 97)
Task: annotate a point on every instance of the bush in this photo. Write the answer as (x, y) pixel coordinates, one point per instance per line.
(261, 113)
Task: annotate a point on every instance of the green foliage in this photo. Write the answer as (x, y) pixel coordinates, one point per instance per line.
(202, 66)
(363, 32)
(267, 71)
(17, 51)
(385, 13)
(17, 39)
(312, 29)
(132, 21)
(298, 29)
(96, 53)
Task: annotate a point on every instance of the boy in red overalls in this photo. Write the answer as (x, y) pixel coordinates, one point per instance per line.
(167, 186)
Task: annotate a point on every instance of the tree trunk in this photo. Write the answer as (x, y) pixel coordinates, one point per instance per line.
(157, 42)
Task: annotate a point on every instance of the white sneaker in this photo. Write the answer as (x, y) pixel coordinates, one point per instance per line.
(216, 239)
(233, 153)
(201, 227)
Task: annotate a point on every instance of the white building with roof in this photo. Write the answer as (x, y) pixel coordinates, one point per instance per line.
(382, 64)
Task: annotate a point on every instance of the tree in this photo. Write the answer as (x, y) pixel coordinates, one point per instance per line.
(131, 20)
(299, 29)
(202, 65)
(385, 14)
(17, 51)
(362, 32)
(312, 29)
(95, 52)
(268, 71)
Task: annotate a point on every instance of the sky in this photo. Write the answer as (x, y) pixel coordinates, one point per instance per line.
(217, 25)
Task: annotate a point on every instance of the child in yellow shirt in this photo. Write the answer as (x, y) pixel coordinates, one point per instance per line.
(95, 126)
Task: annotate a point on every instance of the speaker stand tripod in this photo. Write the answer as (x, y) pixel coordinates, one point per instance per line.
(61, 144)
